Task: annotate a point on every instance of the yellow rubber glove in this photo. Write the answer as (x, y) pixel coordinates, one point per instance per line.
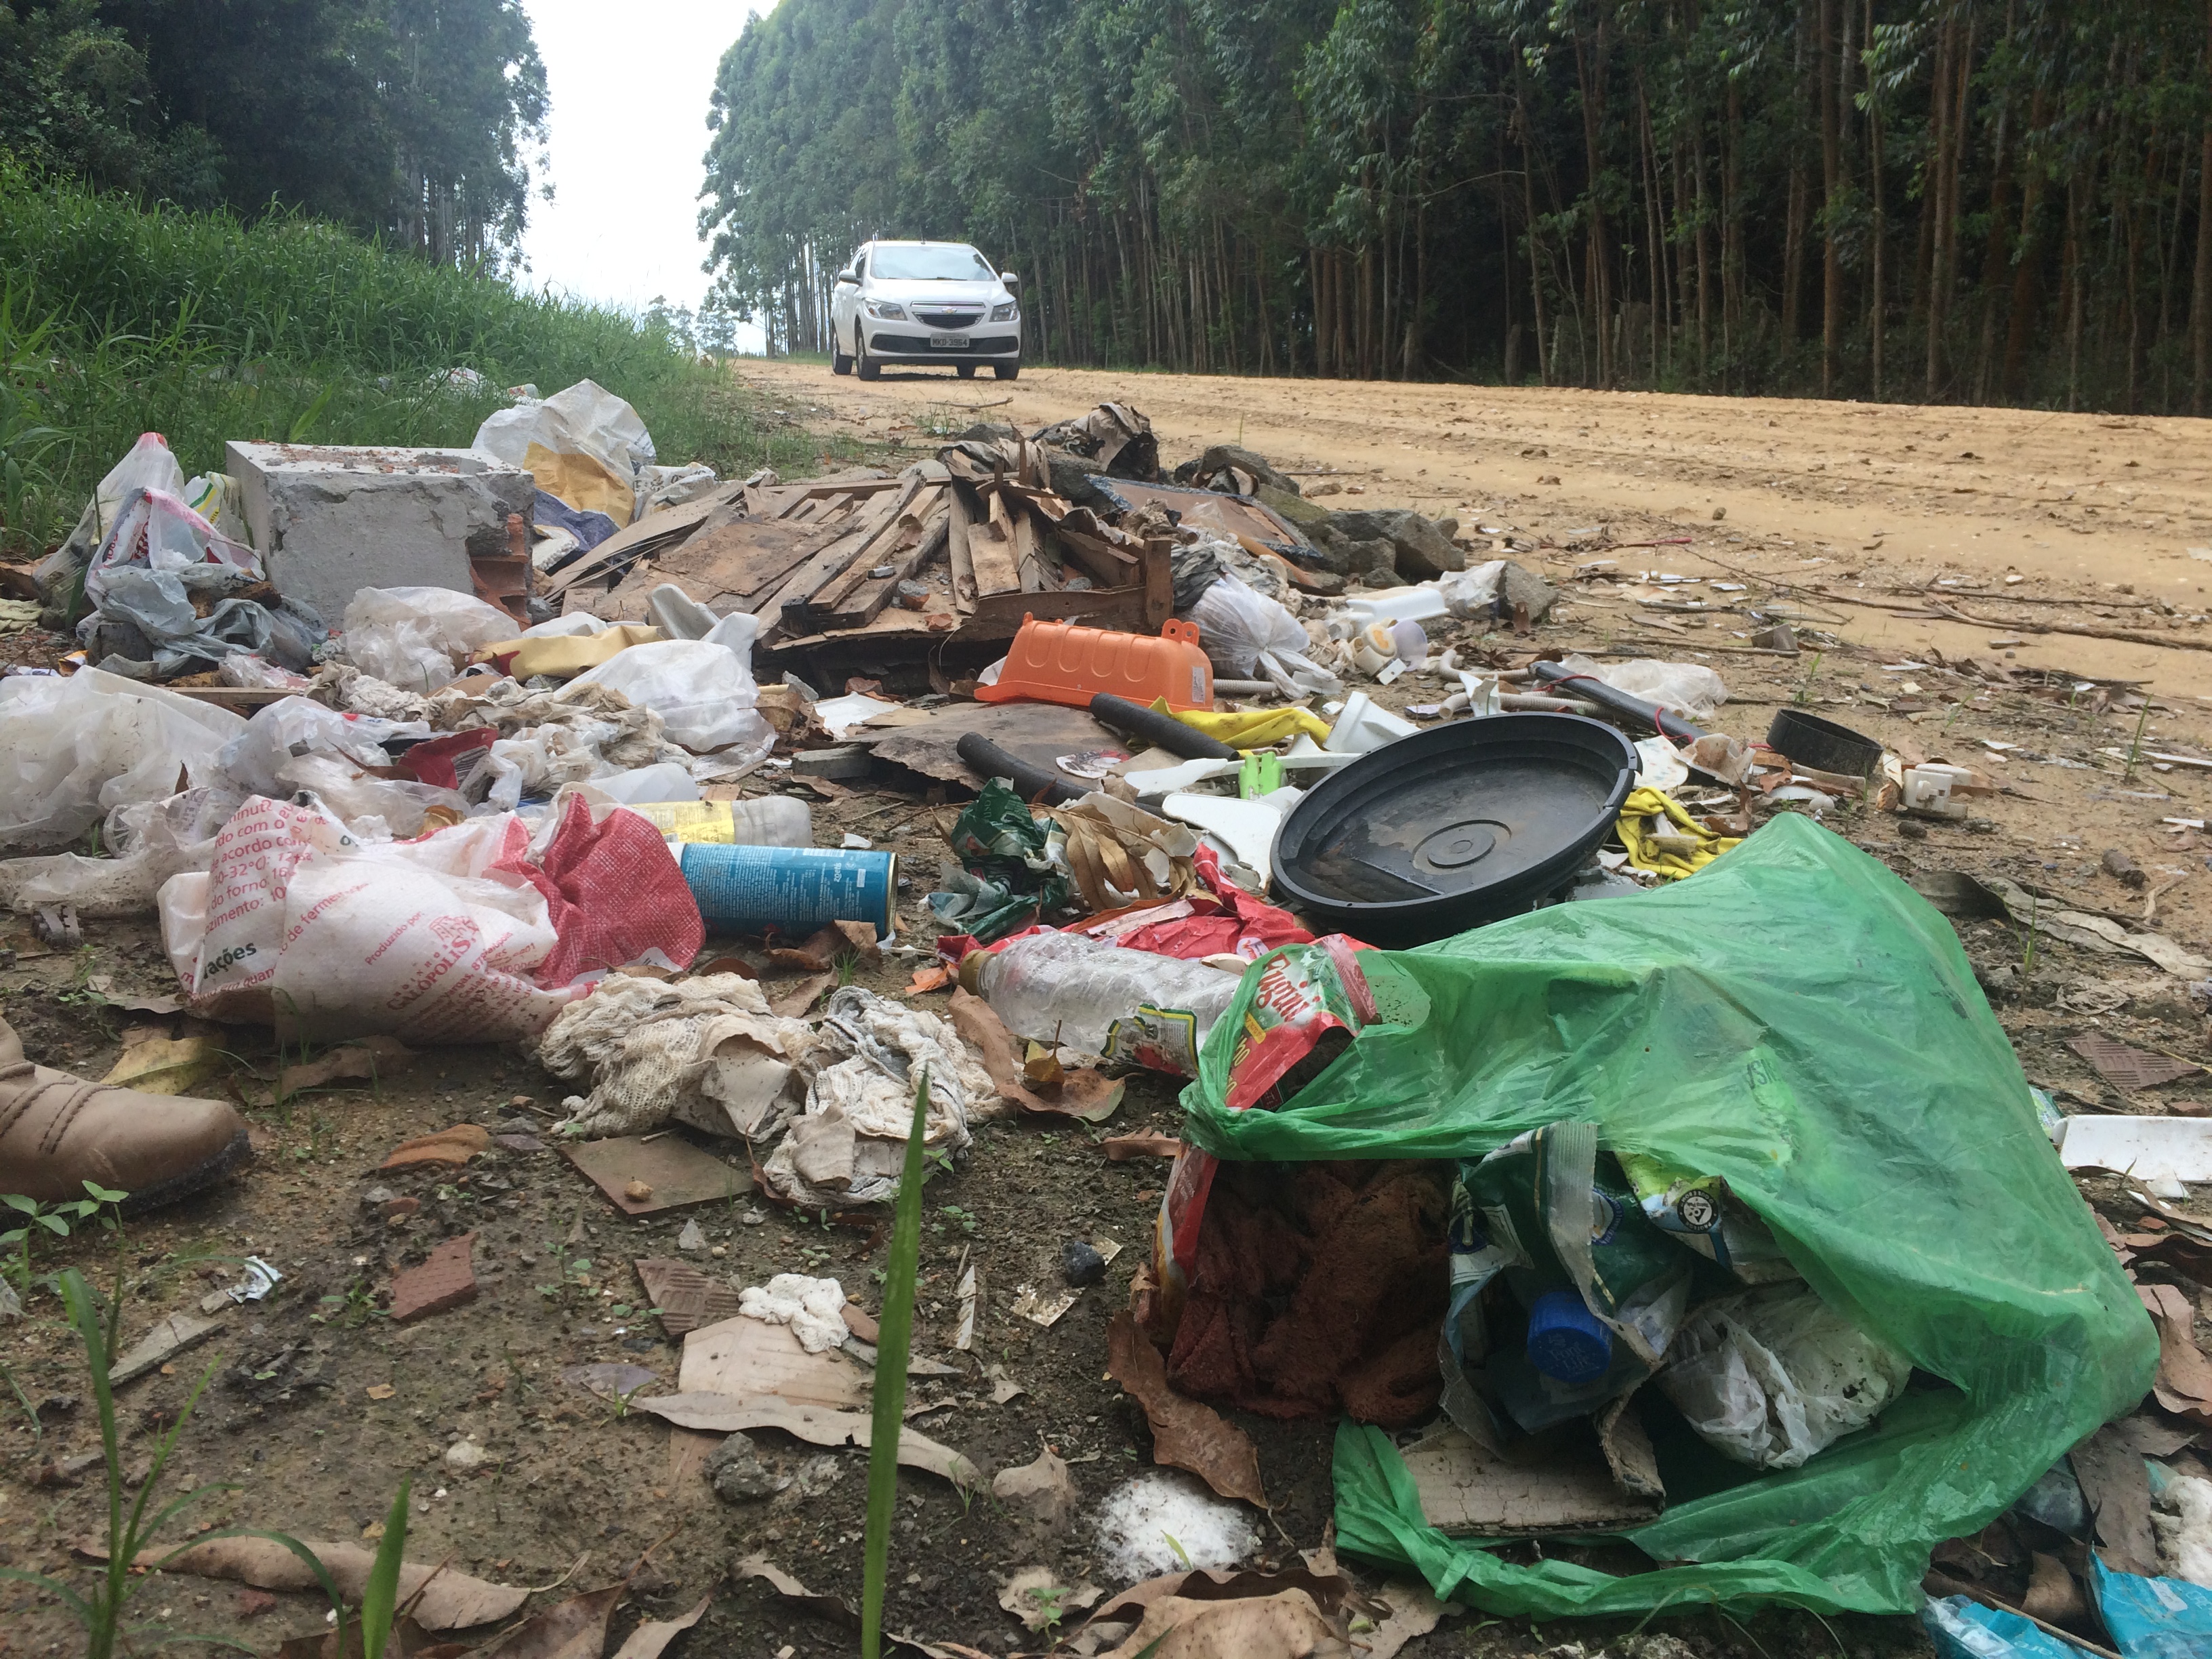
(1257, 728)
(1654, 827)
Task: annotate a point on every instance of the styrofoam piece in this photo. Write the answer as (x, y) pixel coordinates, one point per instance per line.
(1165, 1520)
(1363, 728)
(1246, 827)
(1417, 602)
(2149, 1148)
(848, 712)
(1661, 766)
(1167, 780)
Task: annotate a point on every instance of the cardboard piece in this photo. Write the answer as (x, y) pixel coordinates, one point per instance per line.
(674, 1172)
(750, 1358)
(1565, 1487)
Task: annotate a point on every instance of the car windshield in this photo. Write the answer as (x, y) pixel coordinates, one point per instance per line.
(930, 265)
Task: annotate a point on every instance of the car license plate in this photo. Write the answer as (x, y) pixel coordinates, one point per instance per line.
(950, 342)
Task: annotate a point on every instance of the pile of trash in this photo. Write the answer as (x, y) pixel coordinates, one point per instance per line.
(1569, 1115)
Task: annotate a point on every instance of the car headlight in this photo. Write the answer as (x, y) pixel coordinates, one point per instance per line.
(1004, 313)
(885, 308)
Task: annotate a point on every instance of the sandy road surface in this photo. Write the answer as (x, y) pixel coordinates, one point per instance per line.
(1867, 498)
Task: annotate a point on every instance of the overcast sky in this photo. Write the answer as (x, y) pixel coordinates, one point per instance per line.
(629, 86)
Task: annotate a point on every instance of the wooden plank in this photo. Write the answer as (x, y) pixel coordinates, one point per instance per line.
(725, 569)
(1028, 560)
(955, 550)
(670, 525)
(991, 552)
(891, 549)
(812, 613)
(860, 531)
(998, 615)
(1113, 568)
(861, 607)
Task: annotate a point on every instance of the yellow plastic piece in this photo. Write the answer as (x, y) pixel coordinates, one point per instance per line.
(1650, 819)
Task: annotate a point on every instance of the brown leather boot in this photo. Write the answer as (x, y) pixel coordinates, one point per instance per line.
(57, 1131)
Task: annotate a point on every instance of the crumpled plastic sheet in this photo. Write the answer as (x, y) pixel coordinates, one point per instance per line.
(148, 841)
(80, 746)
(420, 638)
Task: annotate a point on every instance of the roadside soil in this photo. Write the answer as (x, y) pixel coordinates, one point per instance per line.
(318, 1407)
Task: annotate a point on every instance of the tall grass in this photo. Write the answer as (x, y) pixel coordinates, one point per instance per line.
(116, 318)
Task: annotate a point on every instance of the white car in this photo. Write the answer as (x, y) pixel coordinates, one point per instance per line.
(925, 302)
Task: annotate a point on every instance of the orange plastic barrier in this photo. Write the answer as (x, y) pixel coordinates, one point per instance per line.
(1060, 662)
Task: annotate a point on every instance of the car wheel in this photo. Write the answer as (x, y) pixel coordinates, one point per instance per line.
(967, 371)
(1006, 371)
(839, 362)
(867, 366)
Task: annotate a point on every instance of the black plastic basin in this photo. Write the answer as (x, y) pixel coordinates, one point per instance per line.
(1455, 826)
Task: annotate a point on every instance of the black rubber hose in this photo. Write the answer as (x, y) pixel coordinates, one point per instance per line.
(1163, 731)
(1634, 708)
(1028, 781)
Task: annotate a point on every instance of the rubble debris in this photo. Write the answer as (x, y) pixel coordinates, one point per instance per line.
(738, 1473)
(1040, 1494)
(455, 1145)
(646, 1175)
(445, 1280)
(170, 1337)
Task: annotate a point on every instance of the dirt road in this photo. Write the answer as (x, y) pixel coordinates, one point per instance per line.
(2100, 509)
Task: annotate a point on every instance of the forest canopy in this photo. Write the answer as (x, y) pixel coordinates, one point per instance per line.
(416, 121)
(1964, 200)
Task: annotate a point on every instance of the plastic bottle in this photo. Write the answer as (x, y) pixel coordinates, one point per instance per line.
(1127, 1005)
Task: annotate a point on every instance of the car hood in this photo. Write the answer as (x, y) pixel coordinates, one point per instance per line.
(940, 293)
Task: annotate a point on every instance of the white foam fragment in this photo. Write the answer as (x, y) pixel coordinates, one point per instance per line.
(1166, 1521)
(811, 1307)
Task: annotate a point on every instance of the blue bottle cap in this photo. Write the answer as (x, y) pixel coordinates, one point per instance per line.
(1566, 1340)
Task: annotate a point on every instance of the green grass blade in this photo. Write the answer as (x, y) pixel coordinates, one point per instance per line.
(897, 1337)
(380, 1596)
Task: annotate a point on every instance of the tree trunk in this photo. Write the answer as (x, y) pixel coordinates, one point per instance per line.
(1832, 180)
(2200, 305)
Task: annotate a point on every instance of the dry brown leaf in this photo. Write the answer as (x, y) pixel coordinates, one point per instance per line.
(574, 1629)
(455, 1145)
(1145, 1142)
(929, 979)
(648, 1640)
(382, 1391)
(165, 1065)
(454, 1601)
(368, 1058)
(800, 997)
(1088, 1096)
(1186, 1434)
(1288, 1625)
(1040, 1598)
(409, 1641)
(2184, 1374)
(819, 1425)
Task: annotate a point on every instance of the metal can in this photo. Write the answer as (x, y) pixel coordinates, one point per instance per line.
(790, 889)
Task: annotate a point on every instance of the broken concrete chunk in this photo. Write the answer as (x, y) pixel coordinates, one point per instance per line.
(1422, 551)
(171, 1336)
(328, 521)
(738, 1472)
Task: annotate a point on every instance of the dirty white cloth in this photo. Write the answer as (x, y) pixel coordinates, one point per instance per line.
(813, 1307)
(637, 1040)
(2184, 1537)
(848, 1145)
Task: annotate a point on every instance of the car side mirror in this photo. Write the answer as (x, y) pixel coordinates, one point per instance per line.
(849, 276)
(1012, 279)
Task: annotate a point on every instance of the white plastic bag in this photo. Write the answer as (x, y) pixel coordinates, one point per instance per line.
(583, 445)
(147, 841)
(147, 465)
(291, 727)
(420, 638)
(77, 747)
(661, 487)
(297, 922)
(1472, 592)
(1774, 1377)
(703, 691)
(373, 809)
(1687, 688)
(156, 531)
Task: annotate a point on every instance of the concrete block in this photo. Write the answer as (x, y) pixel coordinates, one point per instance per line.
(328, 521)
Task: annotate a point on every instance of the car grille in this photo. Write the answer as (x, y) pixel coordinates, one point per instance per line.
(983, 344)
(948, 319)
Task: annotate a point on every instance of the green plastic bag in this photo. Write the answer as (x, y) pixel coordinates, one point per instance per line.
(1004, 880)
(1796, 1020)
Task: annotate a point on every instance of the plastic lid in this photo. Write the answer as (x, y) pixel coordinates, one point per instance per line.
(1566, 1340)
